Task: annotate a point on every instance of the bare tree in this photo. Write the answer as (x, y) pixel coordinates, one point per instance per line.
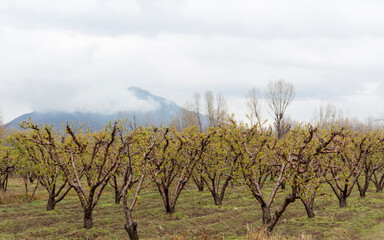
(289, 123)
(279, 95)
(254, 106)
(187, 117)
(216, 114)
(327, 116)
(196, 110)
(176, 121)
(209, 102)
(191, 113)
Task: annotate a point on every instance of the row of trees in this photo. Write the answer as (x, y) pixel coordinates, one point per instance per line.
(275, 100)
(130, 160)
(212, 151)
(278, 95)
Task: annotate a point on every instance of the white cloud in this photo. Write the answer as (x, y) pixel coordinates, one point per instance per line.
(68, 54)
(68, 6)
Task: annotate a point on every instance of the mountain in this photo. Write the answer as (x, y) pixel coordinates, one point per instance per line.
(164, 112)
(94, 120)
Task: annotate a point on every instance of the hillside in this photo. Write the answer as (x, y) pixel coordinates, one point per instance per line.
(164, 111)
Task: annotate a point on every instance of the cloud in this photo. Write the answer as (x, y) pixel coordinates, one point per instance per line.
(71, 97)
(247, 18)
(84, 54)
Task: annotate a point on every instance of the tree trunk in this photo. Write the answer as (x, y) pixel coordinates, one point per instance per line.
(218, 200)
(3, 186)
(200, 186)
(32, 178)
(278, 126)
(29, 198)
(132, 231)
(379, 183)
(379, 188)
(309, 208)
(362, 194)
(283, 185)
(266, 215)
(272, 223)
(214, 188)
(4, 183)
(217, 197)
(342, 201)
(88, 221)
(118, 192)
(51, 203)
(340, 194)
(170, 209)
(363, 189)
(199, 182)
(164, 191)
(272, 176)
(118, 196)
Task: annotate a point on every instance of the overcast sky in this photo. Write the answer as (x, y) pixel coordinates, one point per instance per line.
(82, 55)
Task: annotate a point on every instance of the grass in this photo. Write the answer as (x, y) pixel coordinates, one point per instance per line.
(196, 216)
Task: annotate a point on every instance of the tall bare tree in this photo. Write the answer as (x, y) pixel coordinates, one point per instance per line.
(254, 106)
(279, 95)
(191, 113)
(328, 115)
(215, 110)
(197, 110)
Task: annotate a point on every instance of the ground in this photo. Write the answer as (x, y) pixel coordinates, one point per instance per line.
(195, 215)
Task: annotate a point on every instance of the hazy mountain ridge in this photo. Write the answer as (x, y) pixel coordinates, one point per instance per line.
(162, 115)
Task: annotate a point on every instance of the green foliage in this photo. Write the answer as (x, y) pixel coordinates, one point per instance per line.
(303, 159)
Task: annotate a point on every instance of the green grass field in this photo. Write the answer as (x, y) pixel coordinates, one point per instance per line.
(195, 216)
